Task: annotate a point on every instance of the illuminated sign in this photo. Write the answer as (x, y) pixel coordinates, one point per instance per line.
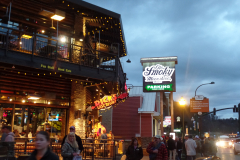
(163, 87)
(158, 73)
(107, 101)
(52, 68)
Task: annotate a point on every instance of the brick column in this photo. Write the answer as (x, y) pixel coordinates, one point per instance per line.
(78, 101)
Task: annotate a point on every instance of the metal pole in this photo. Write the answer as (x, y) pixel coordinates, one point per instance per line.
(183, 125)
(239, 117)
(10, 11)
(172, 112)
(161, 113)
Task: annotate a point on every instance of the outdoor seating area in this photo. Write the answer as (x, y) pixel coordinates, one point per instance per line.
(21, 149)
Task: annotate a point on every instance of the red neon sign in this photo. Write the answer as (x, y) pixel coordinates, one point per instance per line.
(107, 101)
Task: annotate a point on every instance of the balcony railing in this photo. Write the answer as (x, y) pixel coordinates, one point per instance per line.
(43, 46)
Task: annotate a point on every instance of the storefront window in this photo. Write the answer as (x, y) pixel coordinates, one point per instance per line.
(26, 119)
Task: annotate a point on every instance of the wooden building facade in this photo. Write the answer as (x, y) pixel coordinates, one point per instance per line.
(56, 58)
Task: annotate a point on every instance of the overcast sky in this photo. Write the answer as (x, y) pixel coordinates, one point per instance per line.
(204, 35)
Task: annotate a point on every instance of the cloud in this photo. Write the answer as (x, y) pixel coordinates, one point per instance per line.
(205, 36)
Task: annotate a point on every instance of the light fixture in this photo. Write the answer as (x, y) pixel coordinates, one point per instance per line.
(10, 100)
(128, 61)
(20, 42)
(33, 98)
(35, 102)
(25, 36)
(63, 39)
(96, 89)
(182, 102)
(43, 31)
(59, 15)
(23, 101)
(48, 103)
(81, 39)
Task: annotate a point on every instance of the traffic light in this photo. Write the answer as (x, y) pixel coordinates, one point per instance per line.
(214, 111)
(235, 109)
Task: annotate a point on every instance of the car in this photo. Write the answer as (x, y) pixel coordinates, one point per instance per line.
(225, 142)
(237, 146)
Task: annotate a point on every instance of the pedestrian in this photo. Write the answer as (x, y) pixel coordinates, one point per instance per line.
(10, 135)
(110, 135)
(171, 148)
(4, 134)
(157, 149)
(199, 146)
(206, 148)
(134, 151)
(78, 139)
(70, 147)
(190, 146)
(103, 136)
(179, 148)
(42, 150)
(213, 147)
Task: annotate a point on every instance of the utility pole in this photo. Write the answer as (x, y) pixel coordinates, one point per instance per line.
(239, 117)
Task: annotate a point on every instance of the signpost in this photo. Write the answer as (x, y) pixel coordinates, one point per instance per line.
(159, 76)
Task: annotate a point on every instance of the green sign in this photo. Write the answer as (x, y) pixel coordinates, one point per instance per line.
(160, 87)
(177, 130)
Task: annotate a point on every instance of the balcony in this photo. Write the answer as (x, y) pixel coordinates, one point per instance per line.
(34, 50)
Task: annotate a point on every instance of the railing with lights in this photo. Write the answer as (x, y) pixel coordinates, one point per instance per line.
(40, 45)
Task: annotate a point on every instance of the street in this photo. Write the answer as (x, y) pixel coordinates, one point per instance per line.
(227, 154)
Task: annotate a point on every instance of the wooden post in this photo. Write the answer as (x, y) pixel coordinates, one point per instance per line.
(172, 112)
(161, 113)
(13, 115)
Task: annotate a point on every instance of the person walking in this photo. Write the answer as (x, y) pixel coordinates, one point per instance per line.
(10, 135)
(157, 150)
(4, 134)
(171, 148)
(206, 148)
(199, 146)
(213, 146)
(190, 146)
(70, 147)
(179, 148)
(78, 139)
(134, 151)
(42, 151)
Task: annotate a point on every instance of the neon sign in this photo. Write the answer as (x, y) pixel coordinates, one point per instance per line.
(107, 101)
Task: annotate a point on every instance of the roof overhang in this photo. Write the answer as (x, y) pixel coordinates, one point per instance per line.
(159, 59)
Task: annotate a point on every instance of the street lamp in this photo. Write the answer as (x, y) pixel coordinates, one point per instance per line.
(197, 115)
(182, 102)
(202, 85)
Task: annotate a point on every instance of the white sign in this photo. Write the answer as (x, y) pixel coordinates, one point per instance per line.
(199, 97)
(178, 119)
(158, 73)
(167, 121)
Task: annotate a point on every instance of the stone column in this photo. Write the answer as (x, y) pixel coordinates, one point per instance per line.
(78, 101)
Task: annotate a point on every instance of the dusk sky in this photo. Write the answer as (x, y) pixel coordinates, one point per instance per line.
(204, 35)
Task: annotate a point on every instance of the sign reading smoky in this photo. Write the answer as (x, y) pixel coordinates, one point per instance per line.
(159, 74)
